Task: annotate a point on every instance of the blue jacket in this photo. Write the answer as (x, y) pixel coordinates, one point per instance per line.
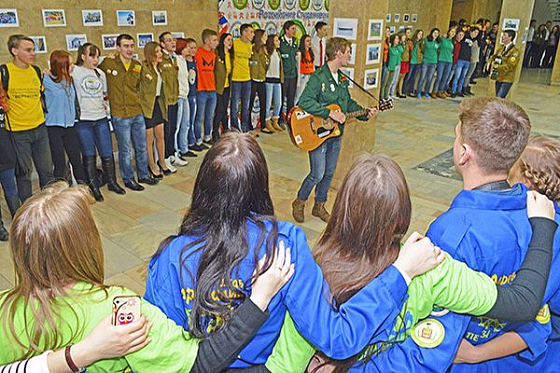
(491, 233)
(60, 100)
(339, 334)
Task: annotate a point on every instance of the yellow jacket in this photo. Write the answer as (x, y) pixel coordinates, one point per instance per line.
(508, 62)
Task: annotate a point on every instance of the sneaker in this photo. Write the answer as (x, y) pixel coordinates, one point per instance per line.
(196, 148)
(188, 154)
(169, 165)
(419, 95)
(427, 95)
(178, 161)
(203, 147)
(209, 142)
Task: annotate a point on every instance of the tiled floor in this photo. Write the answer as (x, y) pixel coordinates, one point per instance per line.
(418, 134)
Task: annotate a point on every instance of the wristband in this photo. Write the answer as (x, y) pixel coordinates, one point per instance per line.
(69, 360)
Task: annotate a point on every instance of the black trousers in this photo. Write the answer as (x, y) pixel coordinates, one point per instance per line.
(169, 129)
(259, 88)
(221, 115)
(65, 142)
(289, 92)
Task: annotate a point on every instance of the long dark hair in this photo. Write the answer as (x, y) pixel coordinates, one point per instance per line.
(231, 189)
(221, 49)
(431, 36)
(270, 47)
(87, 49)
(303, 51)
(257, 40)
(370, 216)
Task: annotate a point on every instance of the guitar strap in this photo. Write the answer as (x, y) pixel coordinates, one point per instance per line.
(359, 86)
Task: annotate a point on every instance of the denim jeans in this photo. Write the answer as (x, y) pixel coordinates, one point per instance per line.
(322, 163)
(205, 106)
(460, 73)
(240, 91)
(131, 132)
(470, 71)
(32, 146)
(428, 70)
(92, 134)
(443, 71)
(273, 97)
(8, 181)
(184, 124)
(450, 76)
(194, 130)
(393, 83)
(410, 81)
(502, 89)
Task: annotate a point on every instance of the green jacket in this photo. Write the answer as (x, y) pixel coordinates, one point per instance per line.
(446, 50)
(220, 74)
(288, 54)
(430, 50)
(395, 55)
(259, 65)
(322, 90)
(416, 56)
(451, 285)
(122, 87)
(170, 75)
(147, 89)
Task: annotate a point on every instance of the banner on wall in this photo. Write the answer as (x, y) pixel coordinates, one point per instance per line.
(270, 15)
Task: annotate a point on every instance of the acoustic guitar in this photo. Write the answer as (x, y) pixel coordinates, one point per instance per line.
(308, 132)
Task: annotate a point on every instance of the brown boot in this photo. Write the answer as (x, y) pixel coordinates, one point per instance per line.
(321, 212)
(268, 127)
(276, 126)
(298, 207)
(441, 95)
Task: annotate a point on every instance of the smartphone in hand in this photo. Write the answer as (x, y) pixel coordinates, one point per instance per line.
(126, 309)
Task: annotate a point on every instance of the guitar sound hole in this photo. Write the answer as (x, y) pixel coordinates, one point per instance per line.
(322, 132)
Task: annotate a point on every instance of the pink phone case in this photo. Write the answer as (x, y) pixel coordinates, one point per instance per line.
(126, 309)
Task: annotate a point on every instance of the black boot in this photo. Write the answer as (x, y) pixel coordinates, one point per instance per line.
(13, 204)
(3, 232)
(90, 171)
(111, 175)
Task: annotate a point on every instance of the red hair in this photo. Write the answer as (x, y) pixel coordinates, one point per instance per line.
(60, 66)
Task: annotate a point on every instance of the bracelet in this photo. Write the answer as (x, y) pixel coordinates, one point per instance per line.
(69, 360)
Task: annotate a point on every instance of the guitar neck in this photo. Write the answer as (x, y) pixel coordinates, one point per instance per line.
(356, 114)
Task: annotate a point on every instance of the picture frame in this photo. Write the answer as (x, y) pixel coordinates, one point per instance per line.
(54, 17)
(144, 38)
(73, 41)
(109, 41)
(159, 17)
(414, 18)
(388, 18)
(350, 72)
(371, 78)
(9, 18)
(92, 17)
(178, 35)
(346, 28)
(392, 29)
(511, 24)
(406, 18)
(352, 59)
(40, 44)
(126, 18)
(373, 54)
(375, 29)
(397, 18)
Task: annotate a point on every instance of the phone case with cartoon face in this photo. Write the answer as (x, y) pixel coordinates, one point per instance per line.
(126, 309)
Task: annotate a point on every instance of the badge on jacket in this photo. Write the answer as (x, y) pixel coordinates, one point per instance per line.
(428, 333)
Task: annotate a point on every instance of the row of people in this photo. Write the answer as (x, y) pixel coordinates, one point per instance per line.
(363, 316)
(542, 44)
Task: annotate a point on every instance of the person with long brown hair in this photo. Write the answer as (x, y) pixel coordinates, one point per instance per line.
(154, 108)
(222, 73)
(371, 214)
(59, 294)
(259, 63)
(200, 275)
(60, 102)
(305, 63)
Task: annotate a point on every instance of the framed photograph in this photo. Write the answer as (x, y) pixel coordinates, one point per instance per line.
(54, 18)
(397, 18)
(371, 78)
(373, 53)
(178, 35)
(9, 18)
(109, 41)
(40, 44)
(126, 18)
(388, 18)
(511, 24)
(159, 17)
(350, 72)
(392, 29)
(346, 28)
(414, 17)
(401, 28)
(375, 29)
(73, 41)
(144, 38)
(92, 17)
(352, 59)
(406, 18)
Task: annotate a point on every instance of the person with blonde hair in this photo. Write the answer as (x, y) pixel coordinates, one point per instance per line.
(59, 294)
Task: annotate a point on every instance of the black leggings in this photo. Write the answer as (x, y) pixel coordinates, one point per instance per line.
(289, 92)
(220, 116)
(260, 89)
(169, 129)
(65, 139)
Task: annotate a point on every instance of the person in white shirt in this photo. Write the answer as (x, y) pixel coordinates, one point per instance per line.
(530, 36)
(319, 43)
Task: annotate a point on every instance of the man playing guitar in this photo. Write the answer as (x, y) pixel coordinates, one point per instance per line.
(326, 86)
